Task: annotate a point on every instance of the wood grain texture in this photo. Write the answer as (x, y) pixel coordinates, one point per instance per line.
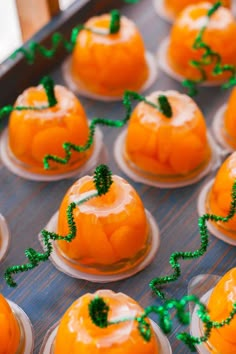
(45, 293)
(33, 15)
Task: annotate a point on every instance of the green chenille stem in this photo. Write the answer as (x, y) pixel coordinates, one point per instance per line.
(115, 22)
(69, 147)
(48, 85)
(208, 57)
(58, 40)
(99, 311)
(102, 181)
(164, 106)
(156, 283)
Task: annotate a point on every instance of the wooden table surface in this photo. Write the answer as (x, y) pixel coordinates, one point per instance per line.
(45, 293)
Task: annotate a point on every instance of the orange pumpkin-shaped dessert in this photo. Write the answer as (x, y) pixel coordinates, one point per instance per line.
(174, 7)
(219, 35)
(167, 148)
(78, 335)
(10, 331)
(35, 133)
(112, 230)
(219, 198)
(108, 64)
(229, 125)
(223, 340)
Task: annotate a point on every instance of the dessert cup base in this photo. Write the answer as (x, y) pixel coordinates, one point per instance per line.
(98, 156)
(67, 268)
(119, 157)
(162, 59)
(46, 347)
(4, 238)
(80, 89)
(201, 206)
(162, 11)
(26, 325)
(217, 129)
(195, 327)
(202, 286)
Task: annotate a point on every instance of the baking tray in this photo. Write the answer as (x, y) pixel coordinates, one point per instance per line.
(45, 293)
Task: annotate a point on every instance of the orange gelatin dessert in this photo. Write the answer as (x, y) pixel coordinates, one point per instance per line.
(78, 335)
(36, 133)
(219, 35)
(229, 132)
(163, 148)
(109, 64)
(223, 340)
(174, 7)
(10, 336)
(220, 195)
(112, 230)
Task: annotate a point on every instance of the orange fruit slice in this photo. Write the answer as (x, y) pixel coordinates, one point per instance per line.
(35, 133)
(219, 35)
(10, 331)
(112, 230)
(78, 335)
(219, 199)
(167, 147)
(220, 305)
(109, 64)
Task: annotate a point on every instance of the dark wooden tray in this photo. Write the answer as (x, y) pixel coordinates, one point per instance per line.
(45, 293)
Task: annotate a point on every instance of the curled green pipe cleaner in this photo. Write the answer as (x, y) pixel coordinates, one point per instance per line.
(102, 180)
(176, 256)
(99, 311)
(48, 85)
(162, 106)
(58, 39)
(208, 57)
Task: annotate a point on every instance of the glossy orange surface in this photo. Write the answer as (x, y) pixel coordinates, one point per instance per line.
(111, 63)
(176, 6)
(223, 340)
(167, 147)
(220, 194)
(219, 35)
(10, 331)
(112, 230)
(33, 134)
(230, 120)
(78, 335)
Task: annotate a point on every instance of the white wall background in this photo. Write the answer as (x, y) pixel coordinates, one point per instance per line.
(10, 35)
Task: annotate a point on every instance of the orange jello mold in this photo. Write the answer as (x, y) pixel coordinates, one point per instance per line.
(167, 149)
(10, 334)
(223, 296)
(219, 198)
(76, 333)
(113, 232)
(220, 304)
(219, 295)
(174, 7)
(109, 64)
(229, 121)
(219, 35)
(36, 133)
